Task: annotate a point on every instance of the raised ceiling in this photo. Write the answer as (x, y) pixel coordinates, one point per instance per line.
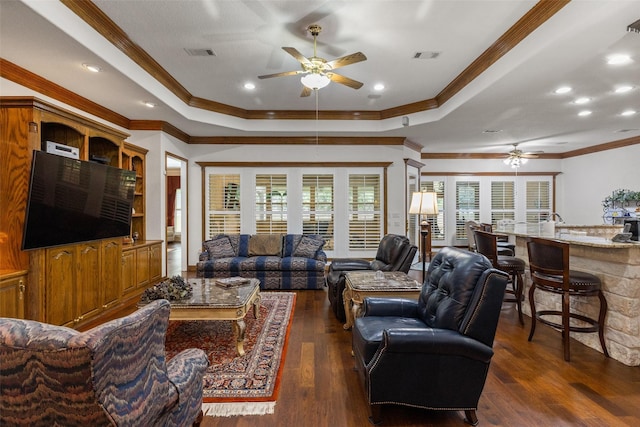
(490, 84)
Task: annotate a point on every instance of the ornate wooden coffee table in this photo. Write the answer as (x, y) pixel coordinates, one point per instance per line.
(361, 284)
(211, 301)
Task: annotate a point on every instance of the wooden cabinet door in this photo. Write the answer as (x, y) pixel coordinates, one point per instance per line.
(60, 293)
(88, 281)
(155, 263)
(12, 296)
(111, 280)
(128, 271)
(142, 267)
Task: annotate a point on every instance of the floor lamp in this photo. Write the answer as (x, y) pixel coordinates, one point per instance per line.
(422, 204)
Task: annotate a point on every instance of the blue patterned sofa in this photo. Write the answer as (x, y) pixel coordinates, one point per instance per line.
(112, 375)
(289, 261)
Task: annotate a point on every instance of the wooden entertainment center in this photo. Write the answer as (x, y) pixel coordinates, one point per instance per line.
(78, 284)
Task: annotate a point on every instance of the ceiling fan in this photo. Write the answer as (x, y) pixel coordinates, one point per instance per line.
(517, 157)
(318, 72)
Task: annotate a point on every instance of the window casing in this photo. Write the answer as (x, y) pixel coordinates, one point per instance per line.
(487, 199)
(343, 204)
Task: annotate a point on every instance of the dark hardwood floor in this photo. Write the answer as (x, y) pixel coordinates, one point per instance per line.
(529, 383)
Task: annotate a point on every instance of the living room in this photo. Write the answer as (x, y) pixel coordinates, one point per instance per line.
(580, 169)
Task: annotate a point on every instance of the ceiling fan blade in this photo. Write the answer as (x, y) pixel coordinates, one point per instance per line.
(285, 73)
(305, 91)
(347, 60)
(529, 155)
(296, 54)
(344, 80)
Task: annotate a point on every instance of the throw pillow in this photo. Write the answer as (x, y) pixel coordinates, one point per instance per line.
(219, 248)
(265, 244)
(307, 247)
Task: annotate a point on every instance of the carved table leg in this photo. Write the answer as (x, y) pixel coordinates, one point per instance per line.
(240, 328)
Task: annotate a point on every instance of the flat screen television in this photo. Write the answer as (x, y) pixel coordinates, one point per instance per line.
(73, 201)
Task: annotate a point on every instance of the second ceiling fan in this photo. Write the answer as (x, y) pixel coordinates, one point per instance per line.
(318, 72)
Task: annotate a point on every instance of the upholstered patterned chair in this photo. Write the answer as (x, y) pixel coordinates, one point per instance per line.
(112, 375)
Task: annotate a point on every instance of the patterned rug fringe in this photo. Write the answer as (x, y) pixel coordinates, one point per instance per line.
(233, 409)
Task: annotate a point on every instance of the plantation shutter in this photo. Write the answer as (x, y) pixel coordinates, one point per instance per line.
(317, 207)
(365, 223)
(538, 195)
(271, 204)
(437, 221)
(467, 205)
(223, 204)
(502, 201)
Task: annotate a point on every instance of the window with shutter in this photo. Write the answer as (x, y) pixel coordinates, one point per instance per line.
(317, 207)
(223, 204)
(467, 205)
(437, 221)
(271, 204)
(538, 201)
(365, 215)
(502, 201)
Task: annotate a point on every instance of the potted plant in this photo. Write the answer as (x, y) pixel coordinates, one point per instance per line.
(620, 198)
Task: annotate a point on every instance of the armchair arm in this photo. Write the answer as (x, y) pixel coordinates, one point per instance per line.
(401, 307)
(350, 264)
(434, 341)
(185, 371)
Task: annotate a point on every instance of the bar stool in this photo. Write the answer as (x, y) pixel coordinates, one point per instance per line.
(549, 266)
(504, 247)
(487, 245)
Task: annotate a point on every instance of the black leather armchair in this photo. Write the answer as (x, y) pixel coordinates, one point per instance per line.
(433, 352)
(395, 253)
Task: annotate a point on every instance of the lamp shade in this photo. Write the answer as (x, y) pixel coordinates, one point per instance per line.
(424, 203)
(315, 80)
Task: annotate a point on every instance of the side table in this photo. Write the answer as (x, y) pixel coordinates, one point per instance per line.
(361, 284)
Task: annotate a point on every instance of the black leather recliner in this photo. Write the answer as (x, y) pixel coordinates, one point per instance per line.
(395, 253)
(433, 352)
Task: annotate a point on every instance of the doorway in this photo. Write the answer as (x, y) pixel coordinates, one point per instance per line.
(176, 214)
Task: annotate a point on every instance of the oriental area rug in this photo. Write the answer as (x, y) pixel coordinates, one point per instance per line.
(240, 385)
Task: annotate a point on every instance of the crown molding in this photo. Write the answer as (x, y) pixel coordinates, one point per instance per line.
(99, 21)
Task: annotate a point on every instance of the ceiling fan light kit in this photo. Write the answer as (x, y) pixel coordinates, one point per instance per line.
(315, 81)
(317, 72)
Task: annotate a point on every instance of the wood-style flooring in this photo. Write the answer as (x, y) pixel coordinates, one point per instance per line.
(529, 383)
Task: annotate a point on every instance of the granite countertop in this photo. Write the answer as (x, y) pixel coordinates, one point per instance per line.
(593, 241)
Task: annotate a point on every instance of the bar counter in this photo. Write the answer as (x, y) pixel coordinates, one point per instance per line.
(617, 265)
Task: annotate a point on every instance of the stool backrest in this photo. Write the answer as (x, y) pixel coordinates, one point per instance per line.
(549, 262)
(487, 245)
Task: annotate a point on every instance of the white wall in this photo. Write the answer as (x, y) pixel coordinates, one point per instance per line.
(588, 179)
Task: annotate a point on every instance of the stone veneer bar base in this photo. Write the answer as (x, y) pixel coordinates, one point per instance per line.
(618, 266)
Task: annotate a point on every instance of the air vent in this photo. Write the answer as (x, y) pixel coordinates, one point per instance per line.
(426, 55)
(200, 52)
(627, 130)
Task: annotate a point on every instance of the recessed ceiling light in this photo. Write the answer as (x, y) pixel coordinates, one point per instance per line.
(91, 67)
(378, 87)
(249, 86)
(582, 100)
(562, 89)
(623, 89)
(150, 104)
(628, 113)
(584, 113)
(619, 59)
